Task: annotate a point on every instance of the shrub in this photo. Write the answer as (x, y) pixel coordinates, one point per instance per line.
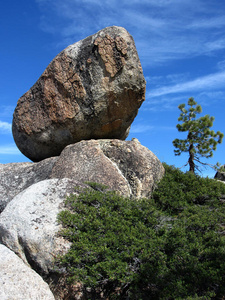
(178, 190)
(168, 247)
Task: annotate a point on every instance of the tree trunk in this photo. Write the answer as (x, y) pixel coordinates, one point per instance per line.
(191, 159)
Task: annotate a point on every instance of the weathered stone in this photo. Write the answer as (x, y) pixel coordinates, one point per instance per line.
(91, 90)
(29, 227)
(85, 161)
(141, 168)
(16, 177)
(124, 166)
(18, 281)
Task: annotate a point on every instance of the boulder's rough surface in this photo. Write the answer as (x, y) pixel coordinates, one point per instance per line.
(18, 281)
(16, 177)
(124, 166)
(141, 168)
(85, 161)
(29, 227)
(91, 90)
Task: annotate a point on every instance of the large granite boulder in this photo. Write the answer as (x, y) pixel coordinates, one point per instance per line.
(91, 90)
(19, 281)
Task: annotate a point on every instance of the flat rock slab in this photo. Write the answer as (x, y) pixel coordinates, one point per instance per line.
(91, 90)
(18, 281)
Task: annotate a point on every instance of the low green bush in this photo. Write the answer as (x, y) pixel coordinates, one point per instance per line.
(171, 246)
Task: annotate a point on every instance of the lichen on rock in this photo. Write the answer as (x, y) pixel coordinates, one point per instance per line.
(113, 52)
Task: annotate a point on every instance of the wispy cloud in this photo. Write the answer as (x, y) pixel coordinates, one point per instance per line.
(208, 23)
(9, 149)
(6, 111)
(5, 127)
(163, 30)
(214, 45)
(140, 128)
(221, 65)
(209, 82)
(144, 128)
(163, 103)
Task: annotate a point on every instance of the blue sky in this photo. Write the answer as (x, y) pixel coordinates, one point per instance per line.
(181, 45)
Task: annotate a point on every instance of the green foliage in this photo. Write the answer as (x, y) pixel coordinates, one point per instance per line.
(219, 168)
(196, 243)
(111, 235)
(200, 140)
(177, 190)
(169, 247)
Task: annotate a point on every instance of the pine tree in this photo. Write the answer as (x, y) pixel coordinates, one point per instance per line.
(201, 141)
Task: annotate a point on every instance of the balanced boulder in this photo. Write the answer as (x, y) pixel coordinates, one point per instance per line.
(91, 90)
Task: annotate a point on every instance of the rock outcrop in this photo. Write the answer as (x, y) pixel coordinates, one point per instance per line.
(28, 223)
(124, 166)
(18, 281)
(91, 90)
(72, 123)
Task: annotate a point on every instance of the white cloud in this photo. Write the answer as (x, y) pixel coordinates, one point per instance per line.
(208, 23)
(221, 65)
(140, 128)
(217, 44)
(212, 81)
(5, 127)
(170, 79)
(159, 104)
(163, 30)
(6, 111)
(9, 150)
